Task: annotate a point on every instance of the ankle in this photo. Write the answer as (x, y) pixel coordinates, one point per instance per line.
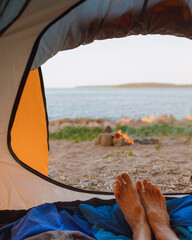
(142, 231)
(167, 233)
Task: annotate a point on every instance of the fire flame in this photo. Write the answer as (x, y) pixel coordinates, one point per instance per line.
(125, 136)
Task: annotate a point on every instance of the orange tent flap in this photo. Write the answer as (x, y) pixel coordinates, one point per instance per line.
(29, 130)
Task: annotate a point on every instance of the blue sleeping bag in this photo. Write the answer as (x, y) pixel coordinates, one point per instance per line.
(111, 218)
(44, 218)
(100, 222)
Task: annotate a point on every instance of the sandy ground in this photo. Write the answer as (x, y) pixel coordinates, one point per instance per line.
(83, 165)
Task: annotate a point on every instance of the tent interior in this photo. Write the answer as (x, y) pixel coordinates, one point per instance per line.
(31, 32)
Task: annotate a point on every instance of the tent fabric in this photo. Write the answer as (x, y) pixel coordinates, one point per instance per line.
(19, 188)
(83, 22)
(16, 45)
(97, 20)
(9, 11)
(29, 131)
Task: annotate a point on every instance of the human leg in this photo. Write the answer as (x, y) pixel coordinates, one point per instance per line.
(156, 211)
(129, 202)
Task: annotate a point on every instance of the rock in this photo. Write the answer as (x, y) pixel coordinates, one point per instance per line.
(146, 141)
(112, 134)
(117, 142)
(100, 136)
(106, 140)
(108, 129)
(162, 118)
(96, 141)
(171, 119)
(124, 121)
(65, 120)
(74, 120)
(84, 120)
(188, 118)
(93, 124)
(148, 119)
(155, 170)
(109, 123)
(100, 120)
(137, 123)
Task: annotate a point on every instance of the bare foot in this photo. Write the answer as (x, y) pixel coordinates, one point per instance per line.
(129, 202)
(156, 211)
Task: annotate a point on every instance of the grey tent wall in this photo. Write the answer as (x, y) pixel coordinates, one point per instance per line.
(104, 19)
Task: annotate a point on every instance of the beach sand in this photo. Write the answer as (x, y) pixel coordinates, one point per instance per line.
(168, 165)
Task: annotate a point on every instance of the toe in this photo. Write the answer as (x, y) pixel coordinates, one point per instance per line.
(158, 192)
(150, 189)
(117, 185)
(117, 189)
(122, 182)
(147, 192)
(139, 186)
(161, 197)
(127, 179)
(149, 186)
(142, 195)
(145, 184)
(116, 193)
(154, 191)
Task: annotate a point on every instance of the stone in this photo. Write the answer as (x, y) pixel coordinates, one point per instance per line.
(109, 123)
(162, 118)
(106, 140)
(100, 120)
(148, 119)
(146, 141)
(171, 119)
(84, 120)
(117, 142)
(93, 124)
(124, 120)
(65, 120)
(137, 123)
(96, 141)
(100, 136)
(188, 118)
(108, 129)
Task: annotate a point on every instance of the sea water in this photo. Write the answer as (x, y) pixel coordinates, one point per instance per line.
(115, 103)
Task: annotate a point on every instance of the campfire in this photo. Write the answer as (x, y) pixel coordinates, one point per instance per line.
(118, 139)
(124, 136)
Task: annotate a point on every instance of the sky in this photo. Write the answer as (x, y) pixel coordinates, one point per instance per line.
(134, 59)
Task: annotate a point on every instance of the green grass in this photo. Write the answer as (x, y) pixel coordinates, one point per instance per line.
(79, 134)
(108, 155)
(156, 130)
(130, 153)
(158, 146)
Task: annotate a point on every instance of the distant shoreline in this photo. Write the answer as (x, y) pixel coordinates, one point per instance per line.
(141, 85)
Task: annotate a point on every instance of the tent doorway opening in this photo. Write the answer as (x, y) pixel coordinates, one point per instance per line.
(110, 83)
